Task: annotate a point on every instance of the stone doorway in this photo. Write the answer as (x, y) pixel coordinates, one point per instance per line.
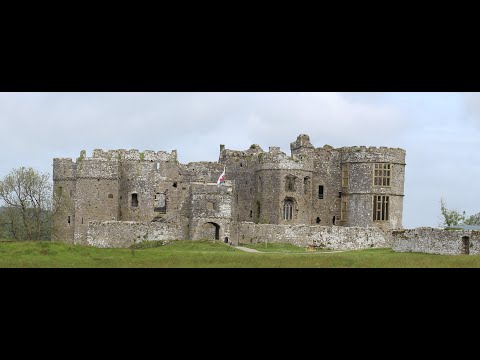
(465, 245)
(210, 231)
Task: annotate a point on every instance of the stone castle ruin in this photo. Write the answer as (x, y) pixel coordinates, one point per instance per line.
(345, 198)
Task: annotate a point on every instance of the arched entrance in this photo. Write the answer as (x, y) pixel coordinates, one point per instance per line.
(209, 231)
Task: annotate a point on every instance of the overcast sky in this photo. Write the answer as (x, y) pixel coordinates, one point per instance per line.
(440, 132)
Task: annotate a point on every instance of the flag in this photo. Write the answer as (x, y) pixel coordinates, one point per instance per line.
(221, 179)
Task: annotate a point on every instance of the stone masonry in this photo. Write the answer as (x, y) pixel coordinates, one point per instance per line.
(437, 241)
(116, 198)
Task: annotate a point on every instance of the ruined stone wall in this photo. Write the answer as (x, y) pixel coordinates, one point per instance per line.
(241, 167)
(122, 234)
(326, 237)
(267, 197)
(437, 241)
(207, 172)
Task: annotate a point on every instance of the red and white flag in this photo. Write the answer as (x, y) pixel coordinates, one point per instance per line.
(221, 179)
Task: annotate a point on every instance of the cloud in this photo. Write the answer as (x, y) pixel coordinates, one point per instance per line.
(59, 124)
(327, 117)
(472, 107)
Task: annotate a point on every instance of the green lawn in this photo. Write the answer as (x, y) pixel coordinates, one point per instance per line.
(207, 254)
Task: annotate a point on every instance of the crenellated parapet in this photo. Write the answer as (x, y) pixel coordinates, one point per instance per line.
(358, 154)
(250, 153)
(134, 155)
(64, 169)
(275, 159)
(91, 168)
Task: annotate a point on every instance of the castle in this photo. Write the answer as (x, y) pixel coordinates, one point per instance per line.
(116, 198)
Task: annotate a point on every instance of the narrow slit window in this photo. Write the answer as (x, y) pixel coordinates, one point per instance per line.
(134, 200)
(343, 209)
(68, 219)
(320, 192)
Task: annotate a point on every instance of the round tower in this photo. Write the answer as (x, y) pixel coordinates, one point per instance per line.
(372, 181)
(64, 189)
(284, 188)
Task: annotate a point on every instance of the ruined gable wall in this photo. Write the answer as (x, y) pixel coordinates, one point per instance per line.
(241, 167)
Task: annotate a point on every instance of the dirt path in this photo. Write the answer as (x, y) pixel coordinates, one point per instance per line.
(279, 252)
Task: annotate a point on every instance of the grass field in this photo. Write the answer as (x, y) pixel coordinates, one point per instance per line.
(208, 254)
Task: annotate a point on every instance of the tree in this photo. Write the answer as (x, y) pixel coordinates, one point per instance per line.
(28, 204)
(473, 220)
(451, 217)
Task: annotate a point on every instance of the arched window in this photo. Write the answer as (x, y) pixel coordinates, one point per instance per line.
(290, 183)
(306, 185)
(288, 210)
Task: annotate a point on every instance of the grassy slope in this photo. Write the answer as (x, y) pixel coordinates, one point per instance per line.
(204, 254)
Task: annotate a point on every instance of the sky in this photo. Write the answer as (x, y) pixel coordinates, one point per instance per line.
(439, 131)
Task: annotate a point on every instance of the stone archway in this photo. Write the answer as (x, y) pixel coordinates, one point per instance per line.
(209, 231)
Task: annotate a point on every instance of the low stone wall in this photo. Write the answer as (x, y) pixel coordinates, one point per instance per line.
(122, 234)
(326, 237)
(437, 241)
